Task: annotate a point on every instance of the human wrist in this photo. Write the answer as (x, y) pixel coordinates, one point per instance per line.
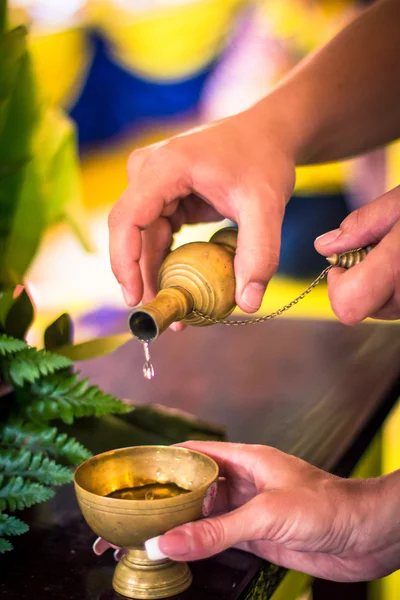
(284, 116)
(387, 514)
(373, 509)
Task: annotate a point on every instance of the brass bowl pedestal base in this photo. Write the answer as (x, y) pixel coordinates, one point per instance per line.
(138, 577)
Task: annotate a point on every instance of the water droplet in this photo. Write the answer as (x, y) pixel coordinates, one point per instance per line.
(148, 369)
(149, 495)
(158, 473)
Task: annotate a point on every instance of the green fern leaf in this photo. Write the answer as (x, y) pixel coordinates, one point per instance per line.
(42, 438)
(37, 467)
(12, 525)
(14, 459)
(30, 364)
(9, 345)
(80, 388)
(5, 546)
(54, 400)
(16, 494)
(70, 449)
(63, 385)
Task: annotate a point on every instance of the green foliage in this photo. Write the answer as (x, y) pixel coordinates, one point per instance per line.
(22, 463)
(30, 364)
(12, 51)
(44, 389)
(17, 493)
(3, 6)
(12, 525)
(9, 345)
(6, 301)
(39, 167)
(59, 333)
(67, 398)
(11, 166)
(5, 545)
(19, 115)
(39, 437)
(20, 316)
(94, 348)
(39, 186)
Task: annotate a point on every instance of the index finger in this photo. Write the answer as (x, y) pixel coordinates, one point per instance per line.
(234, 460)
(138, 208)
(125, 247)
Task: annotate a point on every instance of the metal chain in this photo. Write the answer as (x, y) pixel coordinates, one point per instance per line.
(236, 322)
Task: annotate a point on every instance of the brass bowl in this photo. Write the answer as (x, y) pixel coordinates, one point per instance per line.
(129, 523)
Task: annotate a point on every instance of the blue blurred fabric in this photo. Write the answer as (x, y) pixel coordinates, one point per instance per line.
(114, 100)
(307, 217)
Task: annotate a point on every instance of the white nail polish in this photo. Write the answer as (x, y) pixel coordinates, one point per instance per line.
(153, 550)
(97, 547)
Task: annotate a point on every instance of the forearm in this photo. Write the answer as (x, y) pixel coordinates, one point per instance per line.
(343, 99)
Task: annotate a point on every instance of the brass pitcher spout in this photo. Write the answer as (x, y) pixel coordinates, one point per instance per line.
(196, 276)
(147, 322)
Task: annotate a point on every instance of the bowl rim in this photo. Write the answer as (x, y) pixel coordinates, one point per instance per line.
(191, 496)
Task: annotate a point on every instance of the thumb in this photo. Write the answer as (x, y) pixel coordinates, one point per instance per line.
(363, 227)
(365, 290)
(201, 539)
(257, 254)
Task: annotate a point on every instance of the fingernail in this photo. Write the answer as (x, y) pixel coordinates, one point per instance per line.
(173, 544)
(328, 237)
(127, 296)
(253, 294)
(100, 546)
(119, 553)
(153, 549)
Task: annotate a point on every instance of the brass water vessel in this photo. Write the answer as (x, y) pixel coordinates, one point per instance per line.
(129, 523)
(197, 275)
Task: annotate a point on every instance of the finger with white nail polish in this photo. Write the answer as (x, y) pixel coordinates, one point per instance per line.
(153, 549)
